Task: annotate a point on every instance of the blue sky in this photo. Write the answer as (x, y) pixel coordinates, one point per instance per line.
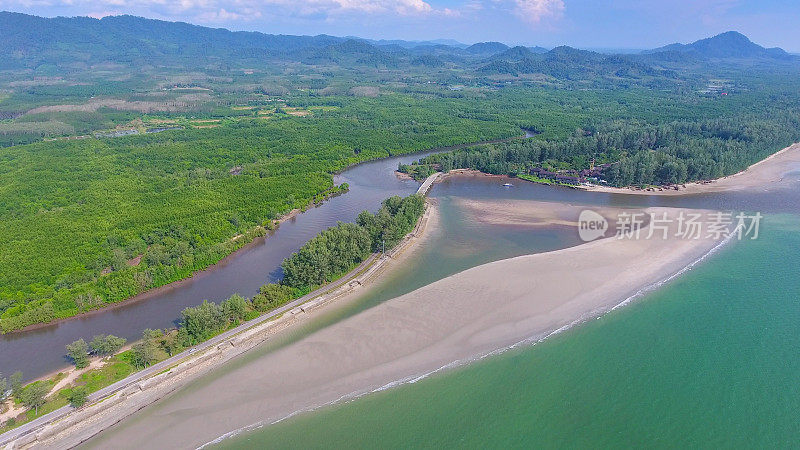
(580, 23)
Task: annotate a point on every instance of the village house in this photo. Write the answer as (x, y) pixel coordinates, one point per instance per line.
(571, 177)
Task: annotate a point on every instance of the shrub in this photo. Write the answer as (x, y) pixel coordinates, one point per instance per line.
(271, 296)
(78, 396)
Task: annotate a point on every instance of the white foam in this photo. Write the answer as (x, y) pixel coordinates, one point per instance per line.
(689, 267)
(529, 341)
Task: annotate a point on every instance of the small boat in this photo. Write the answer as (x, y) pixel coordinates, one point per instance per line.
(508, 185)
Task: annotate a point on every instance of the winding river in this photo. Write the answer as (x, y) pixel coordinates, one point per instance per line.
(41, 351)
(455, 244)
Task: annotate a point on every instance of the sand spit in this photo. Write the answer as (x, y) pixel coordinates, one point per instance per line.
(765, 173)
(459, 318)
(526, 213)
(80, 425)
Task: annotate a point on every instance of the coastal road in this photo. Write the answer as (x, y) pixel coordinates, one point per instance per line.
(34, 425)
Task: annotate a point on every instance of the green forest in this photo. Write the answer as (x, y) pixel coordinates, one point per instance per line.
(185, 148)
(96, 221)
(637, 153)
(328, 256)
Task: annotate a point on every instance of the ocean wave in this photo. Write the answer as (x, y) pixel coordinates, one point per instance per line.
(529, 341)
(689, 267)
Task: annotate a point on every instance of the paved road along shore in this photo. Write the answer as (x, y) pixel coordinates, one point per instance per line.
(56, 421)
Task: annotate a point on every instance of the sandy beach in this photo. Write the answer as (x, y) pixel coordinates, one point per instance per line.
(454, 320)
(528, 213)
(82, 424)
(766, 173)
(451, 321)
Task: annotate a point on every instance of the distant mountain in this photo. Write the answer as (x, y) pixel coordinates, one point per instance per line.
(352, 51)
(486, 48)
(29, 41)
(569, 63)
(514, 54)
(55, 46)
(414, 44)
(731, 44)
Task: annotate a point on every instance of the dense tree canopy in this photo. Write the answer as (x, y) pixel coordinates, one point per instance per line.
(91, 222)
(340, 248)
(638, 153)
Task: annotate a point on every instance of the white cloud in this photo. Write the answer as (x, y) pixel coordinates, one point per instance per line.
(307, 7)
(535, 10)
(222, 15)
(223, 11)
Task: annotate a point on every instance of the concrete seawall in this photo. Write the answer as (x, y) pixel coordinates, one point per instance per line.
(73, 426)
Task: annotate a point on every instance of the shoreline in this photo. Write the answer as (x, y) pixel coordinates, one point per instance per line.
(458, 318)
(530, 341)
(114, 407)
(765, 172)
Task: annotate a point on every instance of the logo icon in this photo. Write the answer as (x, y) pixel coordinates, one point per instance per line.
(591, 225)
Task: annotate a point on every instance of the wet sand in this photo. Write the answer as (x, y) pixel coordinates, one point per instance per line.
(526, 213)
(87, 422)
(454, 320)
(761, 175)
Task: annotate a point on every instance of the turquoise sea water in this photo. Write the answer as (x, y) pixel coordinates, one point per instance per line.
(710, 360)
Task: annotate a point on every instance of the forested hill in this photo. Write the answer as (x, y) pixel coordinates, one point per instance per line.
(486, 48)
(567, 63)
(30, 42)
(730, 45)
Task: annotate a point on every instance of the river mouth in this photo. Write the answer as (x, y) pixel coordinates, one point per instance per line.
(370, 183)
(460, 242)
(677, 354)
